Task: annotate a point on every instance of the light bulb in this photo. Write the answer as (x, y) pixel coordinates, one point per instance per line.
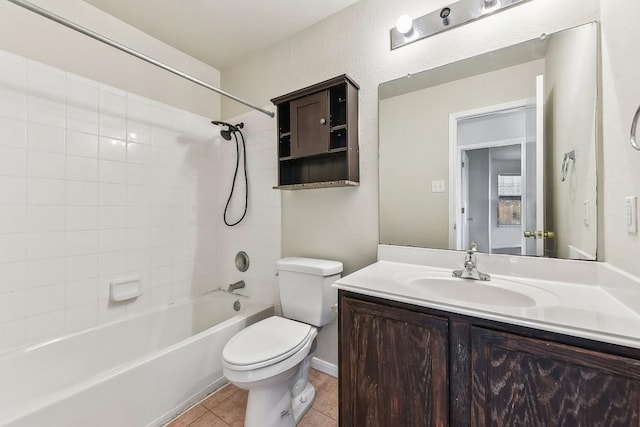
(490, 5)
(404, 24)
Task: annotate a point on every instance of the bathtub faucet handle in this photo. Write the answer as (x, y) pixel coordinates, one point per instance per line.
(237, 285)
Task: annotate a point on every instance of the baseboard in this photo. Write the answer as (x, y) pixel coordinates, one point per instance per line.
(324, 366)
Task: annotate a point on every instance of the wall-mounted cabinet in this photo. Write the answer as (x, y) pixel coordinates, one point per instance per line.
(318, 136)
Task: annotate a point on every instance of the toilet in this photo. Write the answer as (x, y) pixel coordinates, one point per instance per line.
(271, 358)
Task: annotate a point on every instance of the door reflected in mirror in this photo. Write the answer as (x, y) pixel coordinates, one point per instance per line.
(496, 129)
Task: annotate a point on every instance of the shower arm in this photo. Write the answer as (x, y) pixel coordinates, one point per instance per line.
(70, 24)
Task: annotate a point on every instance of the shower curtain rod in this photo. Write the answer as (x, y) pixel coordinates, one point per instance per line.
(69, 24)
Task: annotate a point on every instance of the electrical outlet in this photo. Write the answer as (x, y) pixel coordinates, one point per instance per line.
(631, 214)
(437, 186)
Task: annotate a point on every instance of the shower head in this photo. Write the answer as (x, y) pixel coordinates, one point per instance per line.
(226, 133)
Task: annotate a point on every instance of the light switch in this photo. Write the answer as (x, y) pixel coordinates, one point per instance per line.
(437, 186)
(631, 214)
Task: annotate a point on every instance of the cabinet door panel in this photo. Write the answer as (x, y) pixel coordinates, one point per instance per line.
(309, 135)
(519, 381)
(393, 368)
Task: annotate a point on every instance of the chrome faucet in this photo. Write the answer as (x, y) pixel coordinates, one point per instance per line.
(470, 270)
(237, 285)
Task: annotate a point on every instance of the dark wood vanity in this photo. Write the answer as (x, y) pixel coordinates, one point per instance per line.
(407, 365)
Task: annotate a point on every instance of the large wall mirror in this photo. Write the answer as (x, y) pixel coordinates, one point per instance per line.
(498, 149)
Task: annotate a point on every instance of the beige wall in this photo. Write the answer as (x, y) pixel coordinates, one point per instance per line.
(414, 150)
(342, 224)
(27, 34)
(570, 61)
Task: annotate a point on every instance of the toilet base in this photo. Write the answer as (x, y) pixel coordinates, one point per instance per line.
(302, 403)
(274, 407)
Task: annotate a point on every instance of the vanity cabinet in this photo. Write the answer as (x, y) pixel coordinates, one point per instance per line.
(318, 135)
(449, 369)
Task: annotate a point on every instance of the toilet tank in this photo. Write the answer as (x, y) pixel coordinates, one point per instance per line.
(306, 294)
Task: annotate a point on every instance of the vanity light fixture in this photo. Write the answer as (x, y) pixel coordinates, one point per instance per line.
(408, 30)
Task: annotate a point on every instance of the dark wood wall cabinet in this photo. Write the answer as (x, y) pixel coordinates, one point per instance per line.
(404, 365)
(318, 136)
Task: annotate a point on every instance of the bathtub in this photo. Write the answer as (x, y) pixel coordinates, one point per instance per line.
(141, 371)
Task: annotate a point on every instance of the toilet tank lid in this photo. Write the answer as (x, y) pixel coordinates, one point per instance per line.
(318, 267)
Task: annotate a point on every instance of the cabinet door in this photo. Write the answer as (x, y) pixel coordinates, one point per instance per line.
(310, 125)
(393, 367)
(518, 381)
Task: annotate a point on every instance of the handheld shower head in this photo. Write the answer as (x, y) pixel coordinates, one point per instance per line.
(226, 133)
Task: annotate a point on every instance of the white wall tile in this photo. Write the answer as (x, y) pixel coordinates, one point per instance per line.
(45, 326)
(13, 161)
(45, 218)
(45, 138)
(79, 193)
(113, 172)
(45, 191)
(42, 246)
(113, 149)
(45, 272)
(13, 276)
(81, 169)
(112, 217)
(81, 267)
(81, 144)
(81, 292)
(78, 211)
(81, 242)
(80, 317)
(81, 218)
(13, 133)
(112, 240)
(46, 165)
(13, 334)
(45, 111)
(12, 305)
(113, 194)
(13, 219)
(113, 127)
(45, 299)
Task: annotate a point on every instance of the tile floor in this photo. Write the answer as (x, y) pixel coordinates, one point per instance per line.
(225, 407)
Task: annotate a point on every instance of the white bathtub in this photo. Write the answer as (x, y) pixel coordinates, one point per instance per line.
(136, 372)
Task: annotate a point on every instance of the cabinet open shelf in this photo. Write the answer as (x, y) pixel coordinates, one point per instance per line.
(318, 135)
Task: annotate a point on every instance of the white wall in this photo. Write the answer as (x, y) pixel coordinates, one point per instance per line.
(621, 96)
(570, 61)
(97, 184)
(259, 233)
(343, 223)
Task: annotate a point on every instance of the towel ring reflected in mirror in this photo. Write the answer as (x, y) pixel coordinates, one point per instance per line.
(634, 127)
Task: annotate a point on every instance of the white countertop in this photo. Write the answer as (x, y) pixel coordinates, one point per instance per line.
(588, 310)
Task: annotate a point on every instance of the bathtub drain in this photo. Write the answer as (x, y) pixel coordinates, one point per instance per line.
(236, 305)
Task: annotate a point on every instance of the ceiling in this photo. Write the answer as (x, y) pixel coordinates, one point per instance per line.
(219, 32)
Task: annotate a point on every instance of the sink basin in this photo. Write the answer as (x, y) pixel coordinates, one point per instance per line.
(494, 293)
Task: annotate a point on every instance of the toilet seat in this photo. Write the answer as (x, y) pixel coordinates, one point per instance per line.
(265, 343)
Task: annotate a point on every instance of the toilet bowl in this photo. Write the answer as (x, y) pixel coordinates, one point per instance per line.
(271, 358)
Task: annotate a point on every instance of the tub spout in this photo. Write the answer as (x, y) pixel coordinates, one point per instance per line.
(237, 285)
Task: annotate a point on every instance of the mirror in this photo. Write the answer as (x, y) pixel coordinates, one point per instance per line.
(498, 149)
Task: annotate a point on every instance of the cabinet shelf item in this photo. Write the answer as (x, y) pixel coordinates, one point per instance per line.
(318, 135)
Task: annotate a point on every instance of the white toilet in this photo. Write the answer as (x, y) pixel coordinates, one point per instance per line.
(271, 358)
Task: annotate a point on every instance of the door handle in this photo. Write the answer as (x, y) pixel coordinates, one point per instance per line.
(540, 234)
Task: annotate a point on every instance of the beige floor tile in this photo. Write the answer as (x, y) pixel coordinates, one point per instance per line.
(188, 417)
(219, 395)
(232, 410)
(315, 418)
(208, 420)
(326, 393)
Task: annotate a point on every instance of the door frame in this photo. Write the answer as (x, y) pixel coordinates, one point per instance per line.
(455, 215)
